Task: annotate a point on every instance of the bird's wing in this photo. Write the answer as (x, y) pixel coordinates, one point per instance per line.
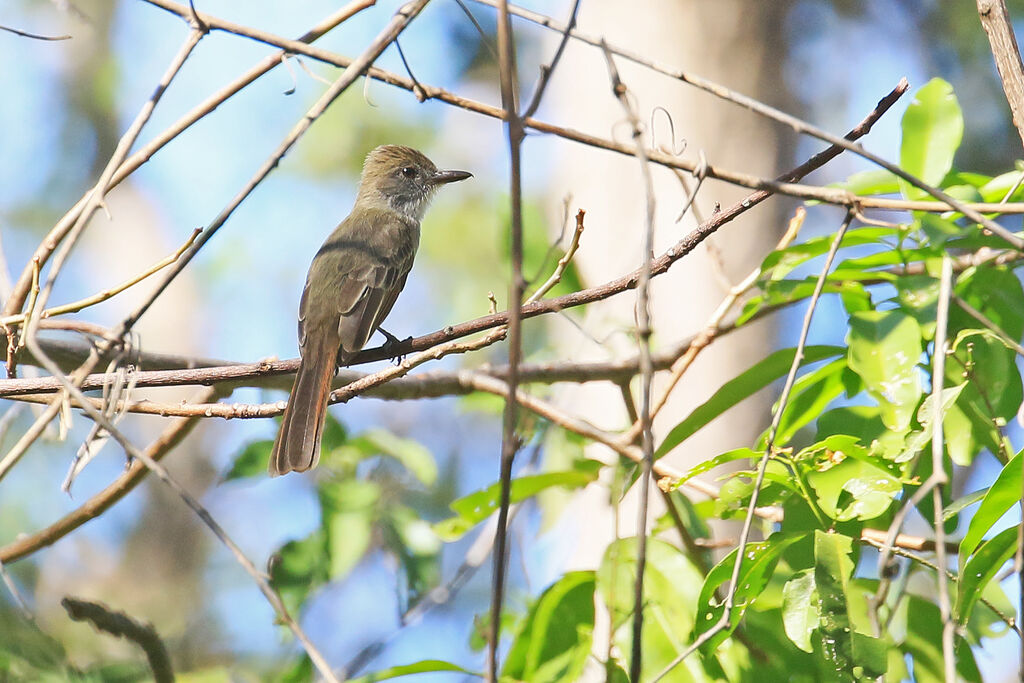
(364, 280)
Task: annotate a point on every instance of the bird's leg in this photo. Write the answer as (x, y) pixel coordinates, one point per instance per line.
(392, 343)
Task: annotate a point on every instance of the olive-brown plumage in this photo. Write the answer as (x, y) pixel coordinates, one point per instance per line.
(352, 284)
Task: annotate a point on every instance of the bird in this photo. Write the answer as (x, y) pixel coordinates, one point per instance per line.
(352, 283)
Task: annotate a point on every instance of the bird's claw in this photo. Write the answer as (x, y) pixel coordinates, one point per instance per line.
(392, 344)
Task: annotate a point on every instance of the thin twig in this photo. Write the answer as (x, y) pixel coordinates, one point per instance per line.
(510, 441)
(20, 290)
(1008, 620)
(12, 588)
(769, 452)
(154, 466)
(714, 327)
(939, 466)
(94, 200)
(105, 294)
(121, 625)
(357, 387)
(33, 36)
(26, 544)
(990, 324)
(484, 38)
(797, 125)
(546, 71)
(563, 263)
(643, 333)
(97, 195)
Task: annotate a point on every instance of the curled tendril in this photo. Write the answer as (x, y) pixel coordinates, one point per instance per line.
(676, 149)
(291, 72)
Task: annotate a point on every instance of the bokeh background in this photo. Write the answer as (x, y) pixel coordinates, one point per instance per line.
(65, 104)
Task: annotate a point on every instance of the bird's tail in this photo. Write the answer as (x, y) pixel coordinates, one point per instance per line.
(297, 447)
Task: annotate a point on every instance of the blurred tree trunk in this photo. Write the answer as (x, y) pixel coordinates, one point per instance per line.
(740, 45)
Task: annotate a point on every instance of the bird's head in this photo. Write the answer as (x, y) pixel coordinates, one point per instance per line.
(402, 179)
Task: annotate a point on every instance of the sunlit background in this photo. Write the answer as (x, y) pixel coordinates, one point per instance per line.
(65, 104)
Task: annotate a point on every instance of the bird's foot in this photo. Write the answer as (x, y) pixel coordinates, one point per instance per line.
(392, 345)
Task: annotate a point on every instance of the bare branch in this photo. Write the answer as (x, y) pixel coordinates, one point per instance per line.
(510, 440)
(939, 465)
(995, 19)
(92, 202)
(14, 303)
(26, 544)
(643, 333)
(33, 36)
(547, 70)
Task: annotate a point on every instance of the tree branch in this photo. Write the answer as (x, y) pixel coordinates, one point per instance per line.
(995, 19)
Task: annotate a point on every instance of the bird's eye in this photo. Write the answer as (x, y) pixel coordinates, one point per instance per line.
(409, 172)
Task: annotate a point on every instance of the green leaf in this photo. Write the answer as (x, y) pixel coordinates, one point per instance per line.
(917, 440)
(933, 127)
(472, 509)
(876, 267)
(783, 292)
(885, 347)
(961, 504)
(855, 489)
(939, 229)
(252, 461)
(346, 453)
(855, 297)
(982, 568)
(832, 569)
(800, 611)
(751, 381)
(870, 656)
(994, 390)
(877, 181)
(779, 264)
(425, 666)
(964, 434)
(758, 564)
(417, 546)
(670, 589)
(785, 663)
(413, 455)
(924, 644)
(918, 296)
(718, 460)
(348, 508)
(299, 568)
(865, 423)
(810, 396)
(992, 393)
(27, 653)
(554, 640)
(997, 293)
(1001, 496)
(996, 188)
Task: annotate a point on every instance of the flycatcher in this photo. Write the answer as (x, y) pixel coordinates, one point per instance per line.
(352, 284)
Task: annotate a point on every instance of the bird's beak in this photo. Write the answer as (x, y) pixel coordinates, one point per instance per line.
(443, 177)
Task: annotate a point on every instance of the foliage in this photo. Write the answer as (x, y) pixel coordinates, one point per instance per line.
(853, 444)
